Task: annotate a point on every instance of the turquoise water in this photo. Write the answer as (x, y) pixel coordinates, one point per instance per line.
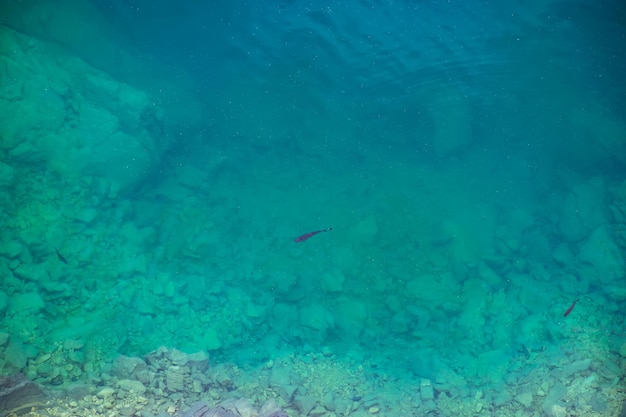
(157, 163)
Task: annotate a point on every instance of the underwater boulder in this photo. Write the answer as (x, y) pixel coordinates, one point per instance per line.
(19, 393)
(74, 118)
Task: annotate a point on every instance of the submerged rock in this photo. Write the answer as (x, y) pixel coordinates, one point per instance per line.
(551, 404)
(4, 304)
(199, 361)
(200, 409)
(74, 118)
(178, 358)
(131, 386)
(16, 355)
(4, 337)
(32, 302)
(601, 256)
(576, 367)
(426, 390)
(11, 249)
(7, 175)
(271, 409)
(304, 404)
(174, 377)
(525, 398)
(211, 340)
(18, 393)
(127, 367)
(229, 409)
(105, 392)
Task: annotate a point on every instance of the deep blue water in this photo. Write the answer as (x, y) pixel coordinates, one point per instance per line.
(469, 156)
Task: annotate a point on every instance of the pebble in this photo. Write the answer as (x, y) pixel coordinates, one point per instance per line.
(373, 410)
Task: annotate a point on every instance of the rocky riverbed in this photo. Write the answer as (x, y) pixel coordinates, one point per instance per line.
(168, 382)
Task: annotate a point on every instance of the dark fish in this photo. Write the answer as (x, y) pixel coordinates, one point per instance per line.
(310, 234)
(61, 257)
(569, 310)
